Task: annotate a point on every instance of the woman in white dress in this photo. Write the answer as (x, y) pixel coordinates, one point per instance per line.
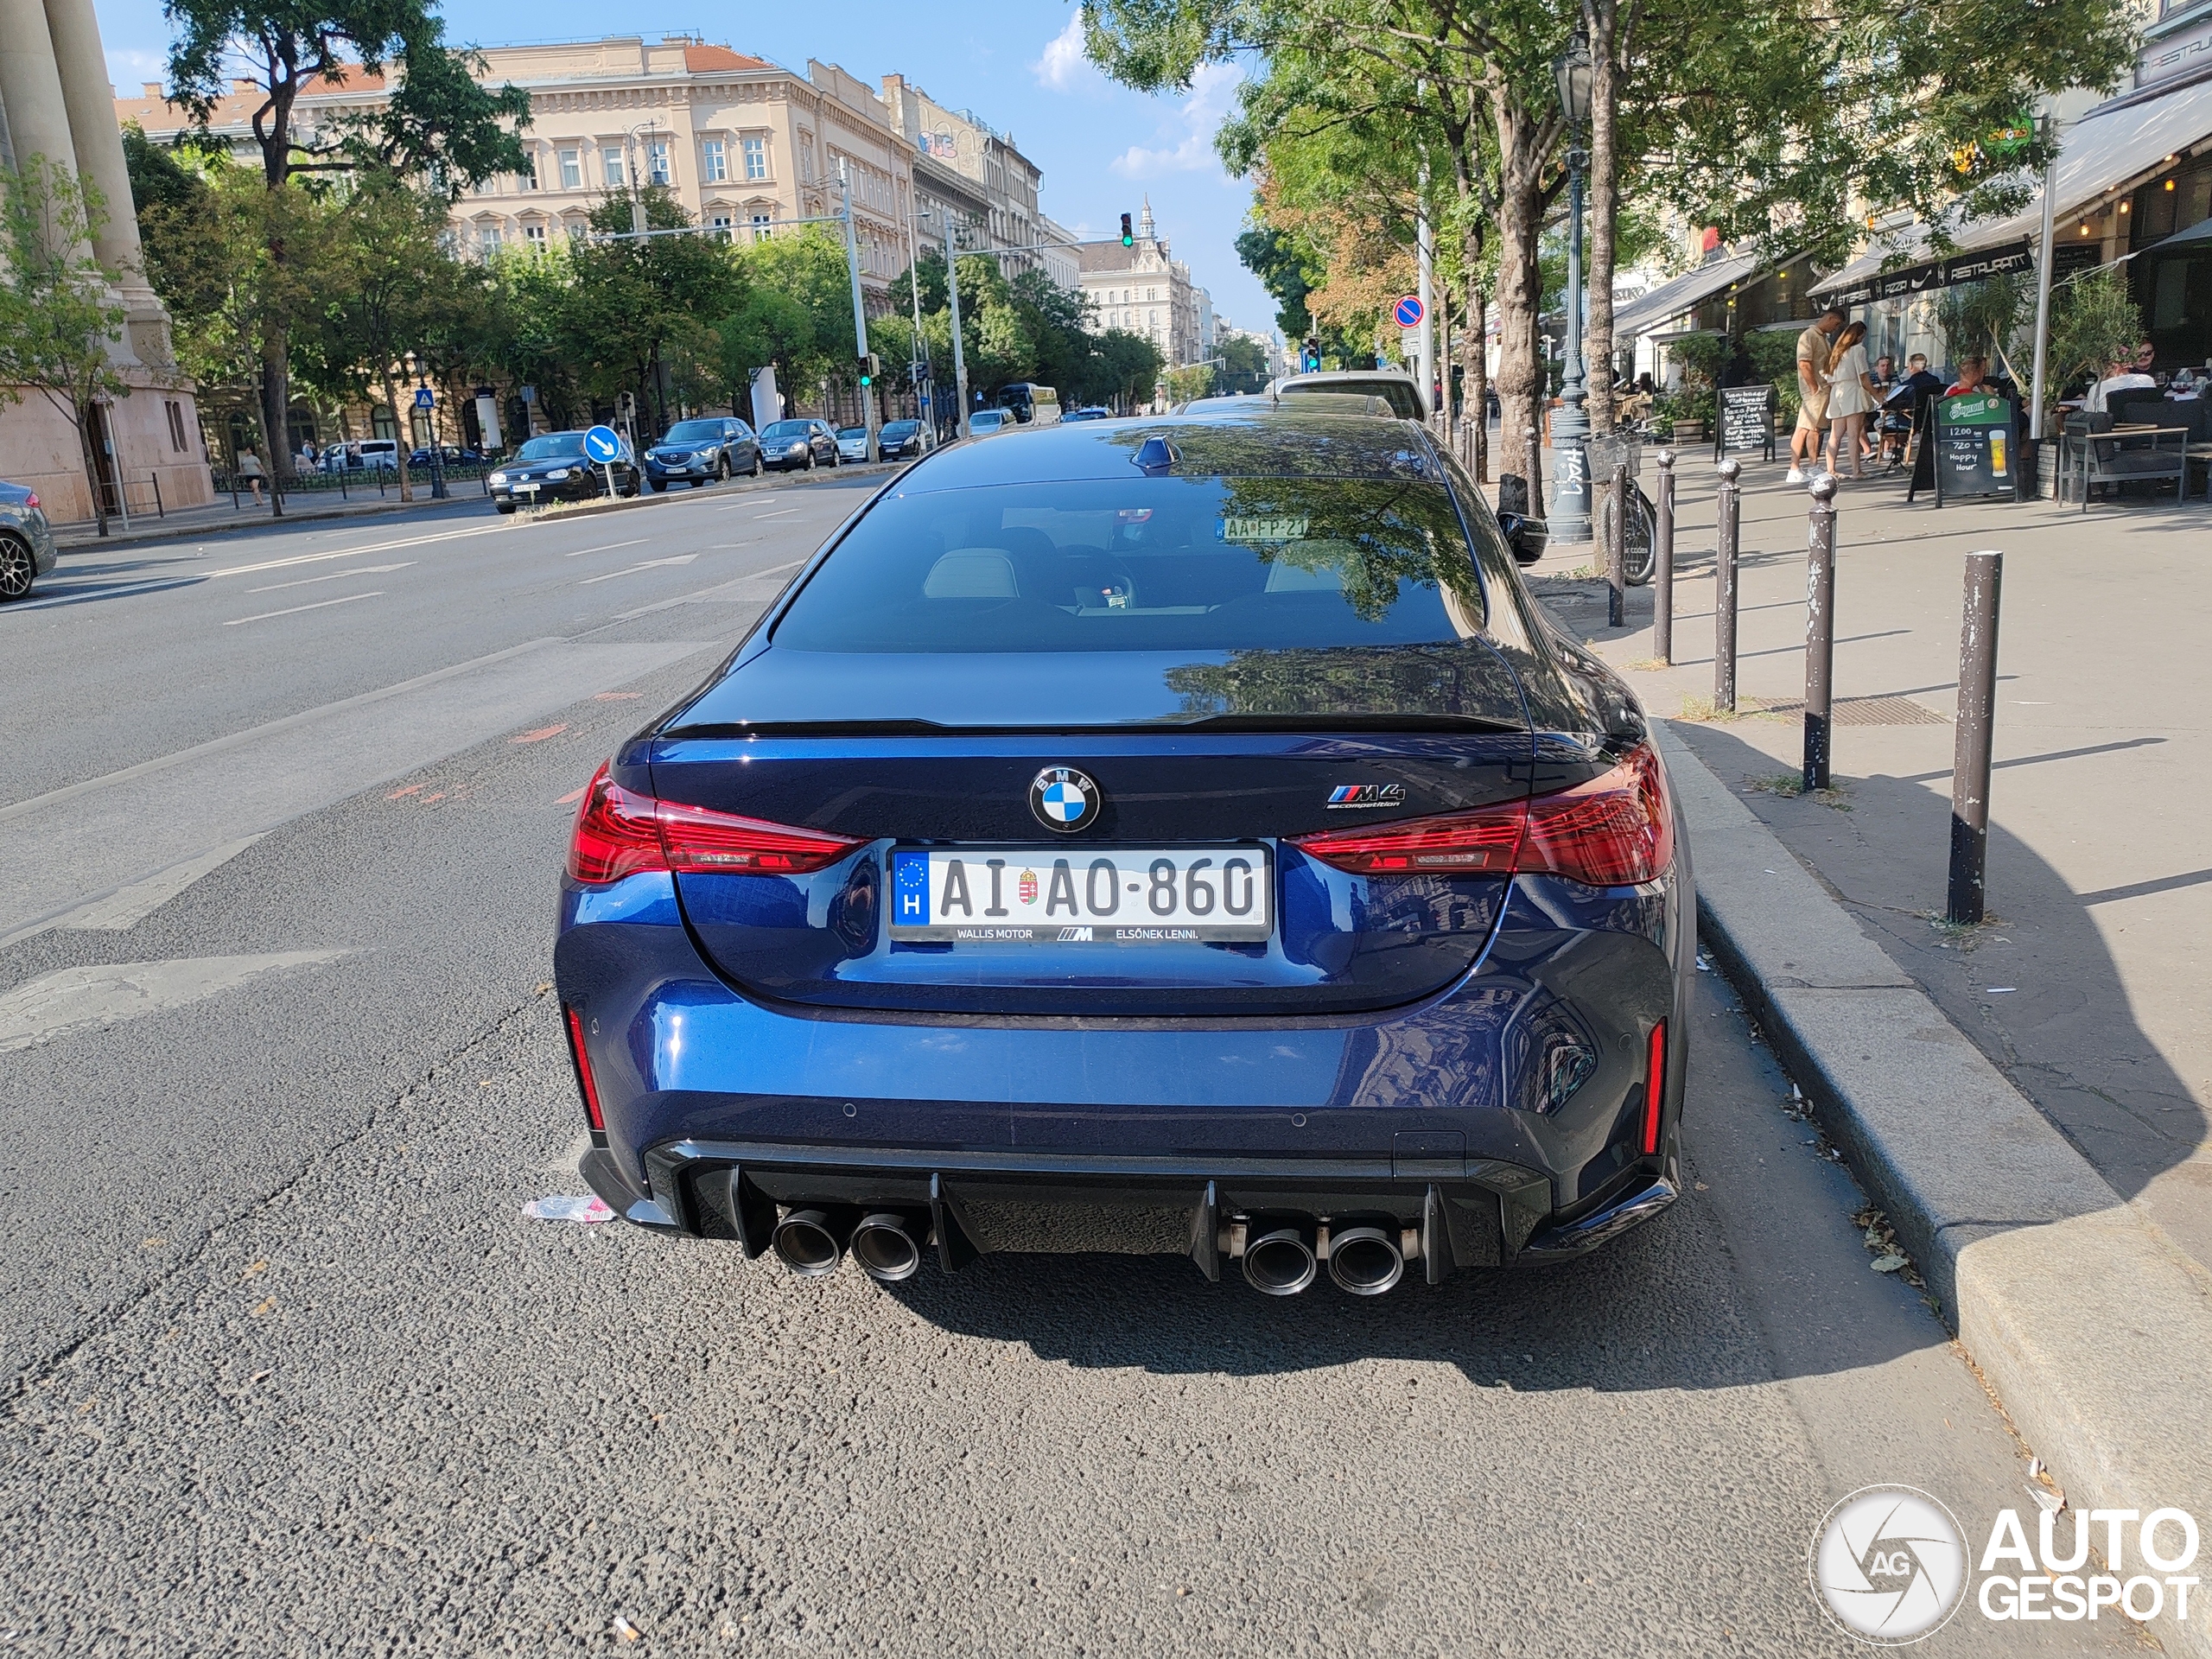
(1851, 398)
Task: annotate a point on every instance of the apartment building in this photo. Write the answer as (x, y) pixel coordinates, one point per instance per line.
(1146, 290)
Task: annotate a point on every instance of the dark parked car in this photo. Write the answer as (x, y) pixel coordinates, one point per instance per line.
(450, 455)
(25, 540)
(799, 445)
(552, 467)
(1091, 413)
(702, 451)
(899, 440)
(1189, 837)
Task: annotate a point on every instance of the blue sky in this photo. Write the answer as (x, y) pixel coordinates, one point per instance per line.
(1017, 63)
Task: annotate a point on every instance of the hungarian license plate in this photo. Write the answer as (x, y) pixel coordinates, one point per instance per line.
(1107, 895)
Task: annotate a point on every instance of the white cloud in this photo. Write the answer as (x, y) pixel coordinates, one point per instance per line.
(1063, 67)
(128, 69)
(1213, 89)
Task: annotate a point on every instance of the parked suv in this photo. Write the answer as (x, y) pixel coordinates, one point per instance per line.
(801, 445)
(696, 452)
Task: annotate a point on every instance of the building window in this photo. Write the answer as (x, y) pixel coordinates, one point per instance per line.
(577, 229)
(175, 410)
(657, 167)
(763, 227)
(572, 169)
(756, 158)
(528, 177)
(720, 223)
(714, 168)
(487, 239)
(611, 167)
(534, 234)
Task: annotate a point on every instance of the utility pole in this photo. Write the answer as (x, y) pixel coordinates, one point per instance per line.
(859, 314)
(914, 282)
(959, 358)
(1425, 240)
(2043, 289)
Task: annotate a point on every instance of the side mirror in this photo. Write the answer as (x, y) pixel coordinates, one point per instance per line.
(1527, 537)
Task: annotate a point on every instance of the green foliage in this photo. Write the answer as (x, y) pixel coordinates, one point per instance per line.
(1774, 354)
(2093, 324)
(56, 321)
(1243, 366)
(1701, 357)
(1280, 265)
(1193, 380)
(1986, 318)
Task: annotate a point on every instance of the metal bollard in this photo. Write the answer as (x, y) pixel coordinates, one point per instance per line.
(1970, 758)
(1662, 576)
(1617, 552)
(1820, 630)
(1724, 593)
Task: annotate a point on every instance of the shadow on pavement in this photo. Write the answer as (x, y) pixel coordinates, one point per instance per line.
(2035, 987)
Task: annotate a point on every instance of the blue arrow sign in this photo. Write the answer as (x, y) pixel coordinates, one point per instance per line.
(1410, 311)
(603, 444)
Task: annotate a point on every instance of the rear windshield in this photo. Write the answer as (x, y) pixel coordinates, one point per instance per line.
(694, 432)
(1144, 565)
(1396, 393)
(552, 447)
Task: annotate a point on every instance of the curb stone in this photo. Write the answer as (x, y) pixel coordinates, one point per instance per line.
(2093, 1330)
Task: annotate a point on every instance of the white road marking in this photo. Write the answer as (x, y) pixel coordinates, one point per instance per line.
(351, 552)
(705, 595)
(87, 999)
(320, 604)
(335, 576)
(650, 564)
(778, 513)
(609, 548)
(126, 907)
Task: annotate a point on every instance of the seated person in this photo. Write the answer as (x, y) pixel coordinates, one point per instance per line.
(1974, 372)
(2122, 375)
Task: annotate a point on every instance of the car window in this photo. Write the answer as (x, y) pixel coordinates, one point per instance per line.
(552, 446)
(788, 431)
(1146, 564)
(852, 431)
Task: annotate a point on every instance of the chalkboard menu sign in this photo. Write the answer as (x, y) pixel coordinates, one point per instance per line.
(1977, 445)
(1746, 421)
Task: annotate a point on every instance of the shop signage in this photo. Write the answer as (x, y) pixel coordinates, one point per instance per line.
(1746, 421)
(1977, 446)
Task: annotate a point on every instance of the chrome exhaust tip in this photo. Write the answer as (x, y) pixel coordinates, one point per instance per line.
(810, 1243)
(1365, 1261)
(1281, 1262)
(888, 1247)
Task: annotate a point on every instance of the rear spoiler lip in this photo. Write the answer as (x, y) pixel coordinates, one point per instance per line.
(1254, 725)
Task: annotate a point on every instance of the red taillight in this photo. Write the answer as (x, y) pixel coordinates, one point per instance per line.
(583, 1070)
(31, 501)
(1613, 831)
(619, 833)
(1654, 1087)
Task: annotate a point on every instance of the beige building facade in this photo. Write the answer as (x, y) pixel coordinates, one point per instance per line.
(1146, 290)
(55, 103)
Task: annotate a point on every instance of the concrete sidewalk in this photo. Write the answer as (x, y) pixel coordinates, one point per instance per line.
(220, 517)
(2087, 988)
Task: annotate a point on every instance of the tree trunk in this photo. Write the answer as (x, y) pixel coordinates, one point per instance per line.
(85, 415)
(1605, 206)
(400, 424)
(1519, 289)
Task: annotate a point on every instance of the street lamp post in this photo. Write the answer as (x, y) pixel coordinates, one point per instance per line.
(959, 357)
(1570, 513)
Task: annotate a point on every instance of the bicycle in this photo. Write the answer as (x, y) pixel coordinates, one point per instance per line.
(1639, 548)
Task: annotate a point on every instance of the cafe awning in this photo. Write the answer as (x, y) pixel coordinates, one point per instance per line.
(2110, 150)
(1684, 294)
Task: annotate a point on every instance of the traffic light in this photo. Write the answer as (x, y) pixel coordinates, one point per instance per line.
(1310, 359)
(868, 370)
(1127, 239)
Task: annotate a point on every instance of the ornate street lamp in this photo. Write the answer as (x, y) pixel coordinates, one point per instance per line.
(1570, 510)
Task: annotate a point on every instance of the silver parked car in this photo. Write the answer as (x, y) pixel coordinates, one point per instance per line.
(27, 550)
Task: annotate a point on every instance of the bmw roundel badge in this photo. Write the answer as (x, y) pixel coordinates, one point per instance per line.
(1063, 800)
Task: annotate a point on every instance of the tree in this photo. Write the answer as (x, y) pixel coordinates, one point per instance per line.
(2094, 324)
(1193, 380)
(648, 298)
(437, 122)
(1243, 365)
(58, 319)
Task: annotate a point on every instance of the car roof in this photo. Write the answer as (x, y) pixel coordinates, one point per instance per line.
(1264, 440)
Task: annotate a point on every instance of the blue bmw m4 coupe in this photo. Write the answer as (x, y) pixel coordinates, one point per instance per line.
(1157, 835)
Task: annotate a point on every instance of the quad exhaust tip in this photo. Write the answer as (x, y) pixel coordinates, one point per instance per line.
(1282, 1261)
(811, 1243)
(888, 1247)
(1365, 1261)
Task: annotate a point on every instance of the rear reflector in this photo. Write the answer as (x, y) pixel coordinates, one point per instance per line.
(582, 1060)
(1613, 831)
(1654, 1087)
(620, 832)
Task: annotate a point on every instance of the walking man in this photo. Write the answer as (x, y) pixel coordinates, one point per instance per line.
(1813, 391)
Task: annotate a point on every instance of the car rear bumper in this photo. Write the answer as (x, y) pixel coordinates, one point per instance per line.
(1072, 1122)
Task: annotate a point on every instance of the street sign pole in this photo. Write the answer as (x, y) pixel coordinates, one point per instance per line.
(959, 360)
(427, 401)
(860, 313)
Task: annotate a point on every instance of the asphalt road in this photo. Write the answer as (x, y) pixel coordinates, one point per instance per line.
(288, 1372)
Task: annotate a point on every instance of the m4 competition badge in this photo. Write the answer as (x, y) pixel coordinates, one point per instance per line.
(1354, 795)
(1063, 800)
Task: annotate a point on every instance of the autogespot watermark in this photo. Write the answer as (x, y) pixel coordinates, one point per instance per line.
(1893, 1565)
